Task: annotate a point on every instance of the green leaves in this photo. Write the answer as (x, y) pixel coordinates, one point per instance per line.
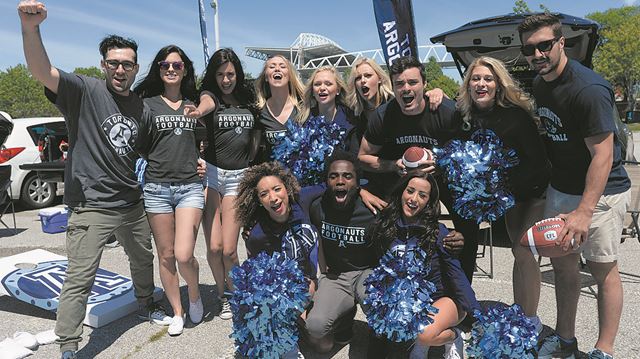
(23, 96)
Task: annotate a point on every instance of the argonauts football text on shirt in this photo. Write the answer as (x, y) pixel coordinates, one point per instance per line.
(342, 234)
(235, 120)
(173, 123)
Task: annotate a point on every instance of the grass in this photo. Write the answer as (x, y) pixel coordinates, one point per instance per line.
(155, 337)
(634, 126)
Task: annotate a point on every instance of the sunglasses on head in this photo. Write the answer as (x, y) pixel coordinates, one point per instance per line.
(542, 46)
(114, 64)
(177, 65)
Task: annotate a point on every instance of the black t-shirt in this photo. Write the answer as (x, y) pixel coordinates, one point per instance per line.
(104, 135)
(518, 131)
(576, 105)
(395, 132)
(272, 129)
(345, 246)
(172, 155)
(229, 131)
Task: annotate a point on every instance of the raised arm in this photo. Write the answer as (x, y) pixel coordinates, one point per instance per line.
(32, 14)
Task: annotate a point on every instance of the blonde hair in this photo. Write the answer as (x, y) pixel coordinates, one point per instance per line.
(263, 90)
(309, 102)
(385, 92)
(508, 91)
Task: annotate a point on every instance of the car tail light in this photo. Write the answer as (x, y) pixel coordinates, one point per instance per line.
(8, 153)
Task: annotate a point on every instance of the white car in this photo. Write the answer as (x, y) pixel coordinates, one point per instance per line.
(22, 148)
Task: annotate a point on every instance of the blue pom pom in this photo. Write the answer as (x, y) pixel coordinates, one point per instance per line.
(399, 296)
(303, 149)
(476, 172)
(270, 293)
(502, 332)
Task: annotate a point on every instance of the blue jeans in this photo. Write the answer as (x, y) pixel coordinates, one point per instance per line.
(166, 197)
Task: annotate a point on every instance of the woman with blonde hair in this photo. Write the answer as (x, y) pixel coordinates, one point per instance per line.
(491, 99)
(279, 97)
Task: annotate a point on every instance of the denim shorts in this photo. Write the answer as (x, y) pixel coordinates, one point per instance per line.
(166, 197)
(224, 181)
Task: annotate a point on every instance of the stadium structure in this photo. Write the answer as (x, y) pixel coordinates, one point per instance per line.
(310, 51)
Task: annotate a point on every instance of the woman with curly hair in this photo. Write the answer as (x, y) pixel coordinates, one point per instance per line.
(268, 203)
(173, 193)
(411, 222)
(491, 99)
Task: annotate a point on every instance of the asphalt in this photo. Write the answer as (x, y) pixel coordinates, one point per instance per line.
(130, 338)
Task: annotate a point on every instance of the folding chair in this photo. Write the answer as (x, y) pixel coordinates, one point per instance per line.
(631, 228)
(6, 195)
(487, 236)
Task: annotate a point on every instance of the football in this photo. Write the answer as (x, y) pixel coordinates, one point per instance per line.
(541, 238)
(415, 154)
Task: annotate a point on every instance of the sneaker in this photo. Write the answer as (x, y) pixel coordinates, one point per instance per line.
(177, 325)
(553, 347)
(196, 311)
(68, 354)
(154, 313)
(225, 311)
(596, 353)
(455, 349)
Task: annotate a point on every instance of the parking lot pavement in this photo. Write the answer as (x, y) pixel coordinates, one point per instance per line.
(131, 338)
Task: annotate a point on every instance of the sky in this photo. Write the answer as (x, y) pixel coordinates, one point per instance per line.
(74, 28)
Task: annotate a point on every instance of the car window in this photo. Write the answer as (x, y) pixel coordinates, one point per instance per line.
(57, 129)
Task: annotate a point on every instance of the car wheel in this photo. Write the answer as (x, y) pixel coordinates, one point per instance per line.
(37, 193)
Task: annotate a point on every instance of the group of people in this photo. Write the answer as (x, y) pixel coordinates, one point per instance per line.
(369, 203)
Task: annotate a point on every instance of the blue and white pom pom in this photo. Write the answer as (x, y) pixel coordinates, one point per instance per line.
(270, 293)
(502, 332)
(303, 148)
(476, 171)
(399, 296)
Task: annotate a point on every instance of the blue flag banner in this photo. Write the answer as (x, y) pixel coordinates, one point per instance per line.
(396, 29)
(203, 31)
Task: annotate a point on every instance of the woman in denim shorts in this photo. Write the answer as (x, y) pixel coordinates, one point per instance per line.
(233, 142)
(173, 192)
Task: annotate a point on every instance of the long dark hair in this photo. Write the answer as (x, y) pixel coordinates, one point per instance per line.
(384, 232)
(242, 92)
(152, 84)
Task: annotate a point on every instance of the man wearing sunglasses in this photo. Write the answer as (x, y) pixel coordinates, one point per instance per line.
(106, 124)
(589, 188)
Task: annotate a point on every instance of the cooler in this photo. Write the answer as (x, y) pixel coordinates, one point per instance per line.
(53, 220)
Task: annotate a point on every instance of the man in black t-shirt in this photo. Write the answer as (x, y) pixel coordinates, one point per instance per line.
(345, 253)
(408, 121)
(589, 187)
(104, 119)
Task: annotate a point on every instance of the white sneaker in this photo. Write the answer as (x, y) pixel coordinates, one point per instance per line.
(177, 325)
(196, 311)
(225, 311)
(455, 349)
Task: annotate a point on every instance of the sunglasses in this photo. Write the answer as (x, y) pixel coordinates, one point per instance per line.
(177, 65)
(543, 46)
(114, 64)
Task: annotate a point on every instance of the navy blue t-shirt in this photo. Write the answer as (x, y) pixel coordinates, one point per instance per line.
(576, 105)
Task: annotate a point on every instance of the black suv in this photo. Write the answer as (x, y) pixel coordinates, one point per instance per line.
(498, 37)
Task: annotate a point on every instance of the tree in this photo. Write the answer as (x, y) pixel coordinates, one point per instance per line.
(521, 7)
(618, 57)
(90, 71)
(437, 79)
(22, 96)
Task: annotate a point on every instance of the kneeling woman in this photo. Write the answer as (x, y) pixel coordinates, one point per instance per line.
(268, 206)
(410, 222)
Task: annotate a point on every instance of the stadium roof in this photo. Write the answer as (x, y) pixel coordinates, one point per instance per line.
(310, 51)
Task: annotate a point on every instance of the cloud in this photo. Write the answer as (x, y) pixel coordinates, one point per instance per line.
(629, 2)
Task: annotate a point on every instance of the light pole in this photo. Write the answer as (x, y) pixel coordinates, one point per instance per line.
(216, 30)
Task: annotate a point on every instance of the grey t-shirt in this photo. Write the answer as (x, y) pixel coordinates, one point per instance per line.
(173, 155)
(103, 137)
